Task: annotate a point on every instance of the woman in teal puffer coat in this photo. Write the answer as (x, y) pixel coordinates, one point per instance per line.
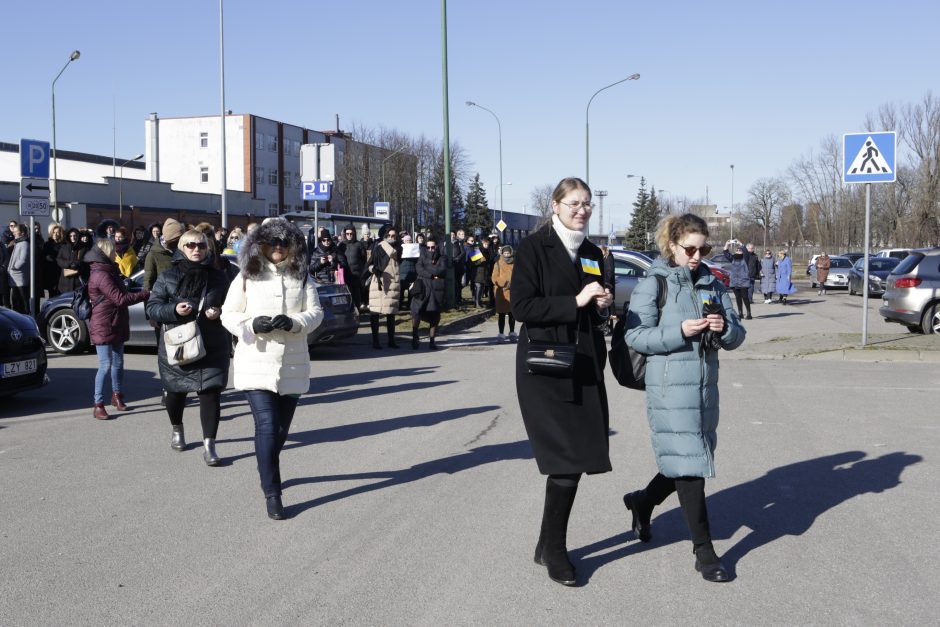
(682, 346)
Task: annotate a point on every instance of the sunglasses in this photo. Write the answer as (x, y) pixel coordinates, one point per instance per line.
(277, 241)
(350, 232)
(690, 250)
(195, 245)
(432, 247)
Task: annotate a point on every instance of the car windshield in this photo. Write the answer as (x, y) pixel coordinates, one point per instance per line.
(839, 262)
(878, 264)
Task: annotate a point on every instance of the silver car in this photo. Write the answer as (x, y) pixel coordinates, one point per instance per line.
(839, 268)
(912, 293)
(629, 269)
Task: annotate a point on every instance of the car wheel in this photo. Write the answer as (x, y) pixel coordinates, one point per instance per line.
(66, 333)
(930, 323)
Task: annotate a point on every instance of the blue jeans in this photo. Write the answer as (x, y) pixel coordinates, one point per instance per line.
(110, 357)
(273, 414)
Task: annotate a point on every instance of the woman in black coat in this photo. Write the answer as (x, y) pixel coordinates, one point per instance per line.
(51, 273)
(193, 289)
(559, 296)
(427, 293)
(70, 261)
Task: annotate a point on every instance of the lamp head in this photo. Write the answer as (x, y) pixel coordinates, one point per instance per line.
(75, 55)
(470, 103)
(140, 156)
(633, 77)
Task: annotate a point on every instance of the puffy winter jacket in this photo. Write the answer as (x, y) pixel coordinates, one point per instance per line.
(277, 361)
(110, 321)
(681, 377)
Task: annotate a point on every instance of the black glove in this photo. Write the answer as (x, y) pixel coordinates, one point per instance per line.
(262, 324)
(710, 339)
(73, 266)
(282, 322)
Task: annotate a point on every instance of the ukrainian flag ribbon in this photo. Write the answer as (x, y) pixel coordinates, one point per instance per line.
(589, 266)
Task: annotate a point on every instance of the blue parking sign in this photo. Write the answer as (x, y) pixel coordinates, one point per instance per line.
(34, 159)
(316, 190)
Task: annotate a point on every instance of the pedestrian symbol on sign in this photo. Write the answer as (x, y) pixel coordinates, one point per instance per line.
(869, 160)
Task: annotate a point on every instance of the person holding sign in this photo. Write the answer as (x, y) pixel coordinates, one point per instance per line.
(559, 297)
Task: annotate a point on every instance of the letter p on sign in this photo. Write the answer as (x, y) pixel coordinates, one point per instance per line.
(34, 158)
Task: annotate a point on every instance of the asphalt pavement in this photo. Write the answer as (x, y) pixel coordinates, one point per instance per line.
(414, 499)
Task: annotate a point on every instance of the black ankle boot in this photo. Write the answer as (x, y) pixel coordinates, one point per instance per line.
(275, 508)
(431, 344)
(707, 563)
(642, 511)
(414, 339)
(552, 548)
(177, 441)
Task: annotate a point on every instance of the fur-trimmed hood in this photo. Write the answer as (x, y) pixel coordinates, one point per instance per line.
(251, 259)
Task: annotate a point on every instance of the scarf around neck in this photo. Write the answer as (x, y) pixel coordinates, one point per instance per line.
(570, 239)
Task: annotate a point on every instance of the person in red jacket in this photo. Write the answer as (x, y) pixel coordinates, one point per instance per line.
(109, 324)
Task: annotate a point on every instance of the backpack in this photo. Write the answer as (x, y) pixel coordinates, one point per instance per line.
(81, 302)
(629, 366)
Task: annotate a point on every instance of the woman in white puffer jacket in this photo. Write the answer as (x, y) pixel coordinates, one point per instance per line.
(270, 308)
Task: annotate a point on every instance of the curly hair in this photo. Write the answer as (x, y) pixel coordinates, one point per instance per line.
(673, 227)
(251, 258)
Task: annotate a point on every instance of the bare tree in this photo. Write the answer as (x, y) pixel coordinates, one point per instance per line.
(766, 198)
(541, 199)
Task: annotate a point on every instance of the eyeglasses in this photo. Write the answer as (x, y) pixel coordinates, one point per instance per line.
(195, 245)
(277, 241)
(587, 206)
(350, 232)
(432, 247)
(690, 250)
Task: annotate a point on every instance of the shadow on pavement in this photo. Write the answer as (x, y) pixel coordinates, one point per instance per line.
(386, 479)
(346, 395)
(74, 388)
(780, 315)
(321, 384)
(784, 502)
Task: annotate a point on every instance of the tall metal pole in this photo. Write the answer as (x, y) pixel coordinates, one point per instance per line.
(601, 194)
(587, 128)
(865, 277)
(55, 181)
(121, 188)
(383, 170)
(449, 283)
(222, 113)
(731, 213)
(499, 128)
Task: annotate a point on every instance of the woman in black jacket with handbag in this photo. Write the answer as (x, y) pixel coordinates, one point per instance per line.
(559, 296)
(427, 299)
(193, 289)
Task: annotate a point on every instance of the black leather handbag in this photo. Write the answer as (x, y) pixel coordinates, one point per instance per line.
(554, 359)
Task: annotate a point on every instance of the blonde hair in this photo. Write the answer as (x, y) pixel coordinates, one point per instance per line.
(569, 184)
(193, 235)
(106, 246)
(52, 227)
(673, 227)
(235, 234)
(782, 254)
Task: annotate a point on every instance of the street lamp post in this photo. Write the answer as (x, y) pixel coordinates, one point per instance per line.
(383, 169)
(499, 128)
(55, 181)
(223, 207)
(731, 213)
(121, 187)
(587, 131)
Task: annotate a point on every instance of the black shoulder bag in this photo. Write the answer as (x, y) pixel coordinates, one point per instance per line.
(555, 359)
(629, 366)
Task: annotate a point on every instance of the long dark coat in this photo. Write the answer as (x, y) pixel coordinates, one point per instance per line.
(428, 290)
(566, 419)
(210, 372)
(71, 256)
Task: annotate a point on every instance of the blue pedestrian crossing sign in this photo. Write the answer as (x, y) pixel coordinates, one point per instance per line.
(869, 157)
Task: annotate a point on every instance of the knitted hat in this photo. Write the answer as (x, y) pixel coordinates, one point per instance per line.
(172, 230)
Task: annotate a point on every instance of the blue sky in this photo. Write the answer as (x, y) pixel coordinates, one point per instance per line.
(755, 84)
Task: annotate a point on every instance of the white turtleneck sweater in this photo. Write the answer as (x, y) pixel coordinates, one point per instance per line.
(571, 239)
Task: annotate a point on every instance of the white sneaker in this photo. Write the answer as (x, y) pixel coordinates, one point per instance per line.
(513, 337)
(500, 338)
(766, 301)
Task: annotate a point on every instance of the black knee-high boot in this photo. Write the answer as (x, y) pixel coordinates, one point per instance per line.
(374, 323)
(642, 502)
(552, 548)
(390, 326)
(691, 492)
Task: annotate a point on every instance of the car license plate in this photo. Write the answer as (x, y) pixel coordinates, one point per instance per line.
(17, 368)
(340, 300)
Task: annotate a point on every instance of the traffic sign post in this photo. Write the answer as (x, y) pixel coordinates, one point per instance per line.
(317, 168)
(868, 158)
(34, 198)
(381, 209)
